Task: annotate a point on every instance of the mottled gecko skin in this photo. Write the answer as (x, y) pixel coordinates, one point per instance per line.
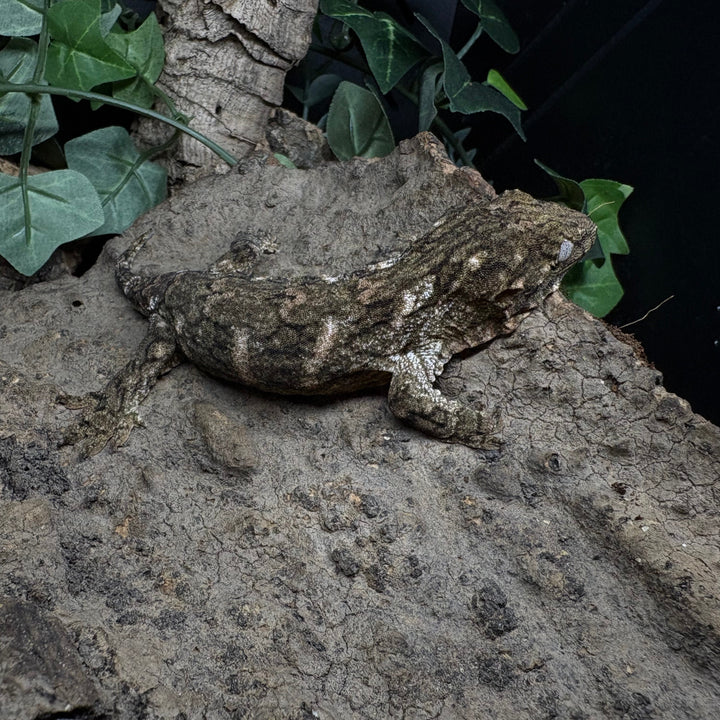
(470, 279)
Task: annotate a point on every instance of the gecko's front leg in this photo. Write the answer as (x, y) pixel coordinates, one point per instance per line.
(413, 398)
(111, 414)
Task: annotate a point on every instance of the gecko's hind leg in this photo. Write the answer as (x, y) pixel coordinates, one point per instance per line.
(111, 414)
(240, 259)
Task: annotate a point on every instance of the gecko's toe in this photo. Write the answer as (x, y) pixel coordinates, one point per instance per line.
(97, 429)
(77, 402)
(479, 427)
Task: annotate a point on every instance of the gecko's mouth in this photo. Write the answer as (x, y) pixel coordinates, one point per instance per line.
(507, 296)
(518, 300)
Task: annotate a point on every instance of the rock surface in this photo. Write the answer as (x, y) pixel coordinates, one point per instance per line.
(251, 556)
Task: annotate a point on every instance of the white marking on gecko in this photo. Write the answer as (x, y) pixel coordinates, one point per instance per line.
(413, 300)
(323, 345)
(240, 353)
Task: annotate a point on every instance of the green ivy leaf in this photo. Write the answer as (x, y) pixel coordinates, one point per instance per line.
(604, 199)
(322, 87)
(570, 191)
(494, 23)
(107, 19)
(426, 97)
(466, 96)
(285, 161)
(357, 124)
(144, 51)
(17, 64)
(21, 17)
(593, 285)
(317, 90)
(390, 49)
(127, 184)
(78, 56)
(496, 80)
(63, 206)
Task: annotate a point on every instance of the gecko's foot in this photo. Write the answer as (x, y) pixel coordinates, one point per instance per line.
(78, 402)
(97, 427)
(412, 398)
(239, 259)
(110, 415)
(477, 427)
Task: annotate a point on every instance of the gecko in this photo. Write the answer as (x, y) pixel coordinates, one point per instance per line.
(472, 278)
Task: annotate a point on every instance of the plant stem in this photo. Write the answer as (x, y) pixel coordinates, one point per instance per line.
(471, 41)
(143, 157)
(168, 103)
(35, 100)
(338, 57)
(457, 144)
(33, 88)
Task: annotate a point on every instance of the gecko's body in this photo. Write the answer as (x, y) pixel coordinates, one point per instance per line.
(469, 280)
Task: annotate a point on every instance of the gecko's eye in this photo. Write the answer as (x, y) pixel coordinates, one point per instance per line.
(566, 248)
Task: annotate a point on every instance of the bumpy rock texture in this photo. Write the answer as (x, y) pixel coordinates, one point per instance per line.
(251, 556)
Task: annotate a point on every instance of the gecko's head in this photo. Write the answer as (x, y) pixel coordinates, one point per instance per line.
(522, 247)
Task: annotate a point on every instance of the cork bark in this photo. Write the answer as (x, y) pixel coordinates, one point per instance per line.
(225, 69)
